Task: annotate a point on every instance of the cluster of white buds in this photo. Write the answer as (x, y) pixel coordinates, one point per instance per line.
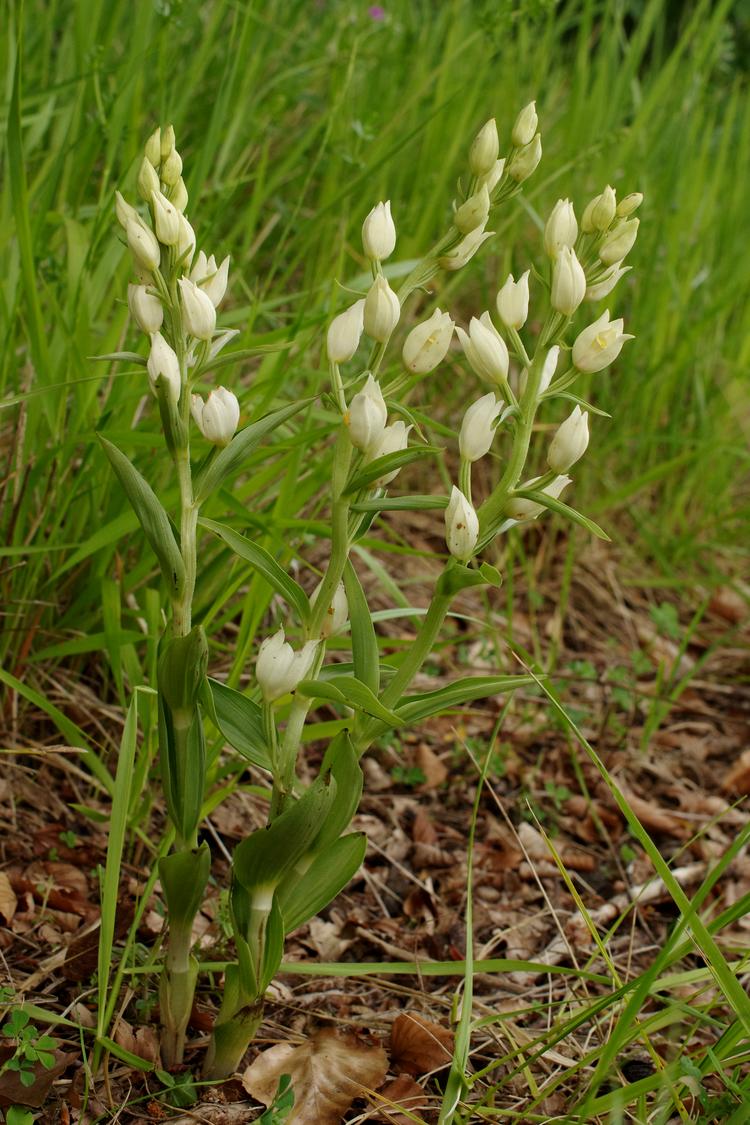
(279, 668)
(527, 145)
(163, 247)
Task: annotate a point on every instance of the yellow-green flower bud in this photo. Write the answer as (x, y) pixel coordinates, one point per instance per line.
(477, 428)
(606, 283)
(461, 526)
(379, 232)
(427, 343)
(570, 441)
(629, 204)
(484, 149)
(568, 282)
(345, 333)
(124, 211)
(143, 245)
(382, 310)
(166, 219)
(171, 168)
(164, 365)
(525, 160)
(145, 308)
(153, 148)
(474, 212)
(604, 209)
(148, 180)
(367, 416)
(178, 195)
(599, 344)
(466, 249)
(166, 142)
(485, 349)
(214, 284)
(492, 178)
(185, 242)
(198, 312)
(525, 126)
(619, 242)
(513, 301)
(337, 613)
(561, 228)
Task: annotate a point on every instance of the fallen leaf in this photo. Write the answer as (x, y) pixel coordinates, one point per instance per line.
(8, 900)
(656, 818)
(405, 1093)
(737, 781)
(433, 769)
(13, 1092)
(328, 1072)
(140, 1041)
(418, 1045)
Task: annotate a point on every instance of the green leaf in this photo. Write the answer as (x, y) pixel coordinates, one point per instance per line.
(384, 465)
(265, 564)
(343, 762)
(349, 691)
(457, 577)
(273, 946)
(154, 520)
(400, 503)
(302, 898)
(231, 459)
(584, 405)
(413, 708)
(240, 720)
(120, 357)
(365, 652)
(563, 510)
(134, 1061)
(184, 877)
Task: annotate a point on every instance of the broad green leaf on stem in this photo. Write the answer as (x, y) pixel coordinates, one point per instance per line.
(265, 564)
(154, 520)
(583, 404)
(240, 720)
(232, 458)
(365, 654)
(457, 577)
(413, 708)
(400, 503)
(562, 510)
(273, 947)
(184, 877)
(302, 898)
(342, 760)
(384, 465)
(349, 691)
(120, 357)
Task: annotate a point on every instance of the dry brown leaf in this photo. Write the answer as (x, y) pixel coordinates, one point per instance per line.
(418, 1045)
(433, 769)
(12, 1090)
(328, 1072)
(140, 1041)
(8, 900)
(737, 781)
(407, 1094)
(656, 818)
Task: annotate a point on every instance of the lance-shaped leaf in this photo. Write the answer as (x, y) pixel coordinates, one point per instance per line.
(415, 708)
(457, 577)
(154, 520)
(365, 652)
(342, 760)
(121, 357)
(184, 876)
(382, 466)
(302, 898)
(562, 509)
(400, 503)
(232, 458)
(265, 564)
(240, 720)
(351, 693)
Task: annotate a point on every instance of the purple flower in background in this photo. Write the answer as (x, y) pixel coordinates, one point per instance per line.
(376, 12)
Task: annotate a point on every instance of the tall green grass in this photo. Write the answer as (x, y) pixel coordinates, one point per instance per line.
(293, 118)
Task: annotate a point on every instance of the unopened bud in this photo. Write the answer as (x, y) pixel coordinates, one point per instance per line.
(382, 310)
(148, 180)
(214, 284)
(473, 213)
(619, 242)
(561, 228)
(570, 441)
(143, 245)
(520, 509)
(179, 195)
(629, 204)
(379, 232)
(568, 282)
(525, 126)
(525, 160)
(606, 284)
(337, 613)
(164, 366)
(166, 142)
(367, 416)
(493, 177)
(485, 349)
(604, 209)
(185, 243)
(145, 308)
(345, 332)
(461, 526)
(465, 250)
(171, 168)
(198, 312)
(427, 343)
(548, 370)
(477, 428)
(484, 149)
(124, 211)
(166, 219)
(218, 417)
(279, 669)
(599, 344)
(153, 148)
(513, 301)
(393, 439)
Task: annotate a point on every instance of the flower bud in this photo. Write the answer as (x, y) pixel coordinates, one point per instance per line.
(525, 126)
(185, 242)
(477, 429)
(492, 178)
(345, 332)
(474, 212)
(145, 308)
(465, 250)
(520, 509)
(166, 142)
(525, 160)
(163, 365)
(599, 344)
(485, 349)
(214, 284)
(548, 370)
(143, 245)
(568, 282)
(603, 209)
(166, 219)
(337, 613)
(570, 441)
(484, 149)
(153, 149)
(148, 180)
(198, 312)
(629, 204)
(279, 669)
(513, 301)
(124, 212)
(179, 195)
(561, 228)
(379, 232)
(381, 310)
(218, 417)
(367, 416)
(461, 526)
(604, 287)
(171, 168)
(619, 242)
(393, 439)
(427, 343)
